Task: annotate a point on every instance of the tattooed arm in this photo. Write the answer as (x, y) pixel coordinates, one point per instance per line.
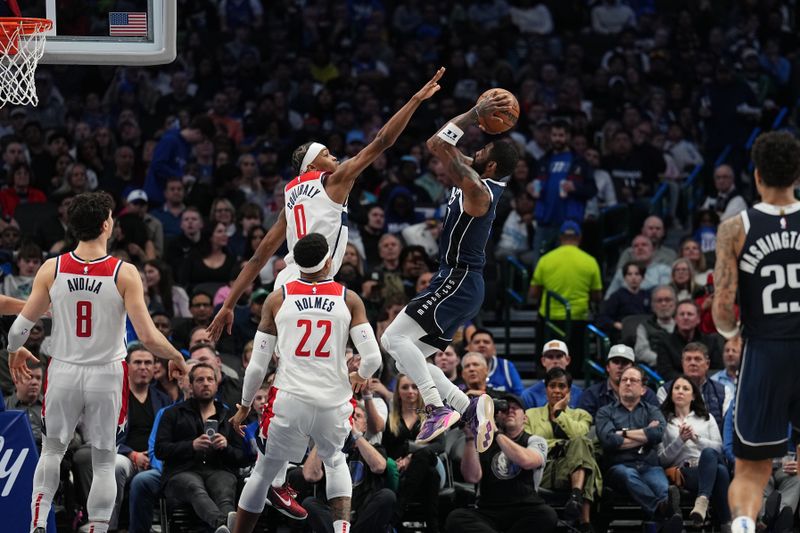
(730, 238)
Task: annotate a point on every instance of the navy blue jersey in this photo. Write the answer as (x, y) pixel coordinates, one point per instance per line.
(463, 240)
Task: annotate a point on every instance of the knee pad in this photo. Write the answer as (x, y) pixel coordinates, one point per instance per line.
(53, 446)
(337, 475)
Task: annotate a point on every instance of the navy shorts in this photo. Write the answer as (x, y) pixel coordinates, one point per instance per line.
(767, 398)
(454, 297)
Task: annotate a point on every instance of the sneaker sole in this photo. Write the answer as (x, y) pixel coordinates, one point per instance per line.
(485, 413)
(287, 514)
(455, 416)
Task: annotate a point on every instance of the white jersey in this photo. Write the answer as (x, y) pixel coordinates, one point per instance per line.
(309, 209)
(313, 325)
(88, 311)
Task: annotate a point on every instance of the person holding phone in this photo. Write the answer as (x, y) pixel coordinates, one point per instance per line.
(201, 452)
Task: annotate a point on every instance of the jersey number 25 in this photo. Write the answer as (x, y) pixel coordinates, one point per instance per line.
(320, 351)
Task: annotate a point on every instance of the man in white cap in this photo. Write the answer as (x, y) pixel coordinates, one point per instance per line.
(137, 201)
(555, 354)
(620, 357)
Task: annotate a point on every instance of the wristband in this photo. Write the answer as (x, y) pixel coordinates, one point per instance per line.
(728, 334)
(450, 133)
(366, 397)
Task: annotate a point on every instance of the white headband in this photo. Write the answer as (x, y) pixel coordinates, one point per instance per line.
(314, 269)
(311, 154)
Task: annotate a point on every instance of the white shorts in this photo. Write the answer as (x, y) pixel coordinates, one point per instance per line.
(290, 273)
(98, 392)
(288, 423)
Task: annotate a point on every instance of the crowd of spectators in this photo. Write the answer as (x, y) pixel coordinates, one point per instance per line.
(618, 98)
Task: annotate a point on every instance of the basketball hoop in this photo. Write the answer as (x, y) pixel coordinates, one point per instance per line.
(22, 43)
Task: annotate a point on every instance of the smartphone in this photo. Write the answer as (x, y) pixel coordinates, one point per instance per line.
(210, 428)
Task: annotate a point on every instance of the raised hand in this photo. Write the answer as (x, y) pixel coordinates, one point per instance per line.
(430, 88)
(223, 321)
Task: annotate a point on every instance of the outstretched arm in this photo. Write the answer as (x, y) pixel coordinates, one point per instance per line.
(341, 181)
(266, 249)
(730, 238)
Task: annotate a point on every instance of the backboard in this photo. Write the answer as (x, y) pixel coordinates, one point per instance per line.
(113, 32)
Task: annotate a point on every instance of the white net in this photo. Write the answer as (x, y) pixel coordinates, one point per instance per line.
(21, 47)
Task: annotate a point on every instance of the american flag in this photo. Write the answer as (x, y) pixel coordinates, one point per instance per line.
(123, 24)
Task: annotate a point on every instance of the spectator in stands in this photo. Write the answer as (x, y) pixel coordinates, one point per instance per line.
(371, 233)
(475, 373)
(199, 464)
(611, 17)
(690, 249)
(163, 292)
(580, 285)
(561, 188)
(137, 207)
(731, 358)
(628, 300)
(727, 202)
(120, 176)
(20, 191)
(179, 248)
(695, 364)
(555, 354)
(448, 360)
(248, 217)
(27, 396)
(144, 401)
(172, 153)
(691, 450)
(51, 233)
(606, 195)
(503, 375)
(228, 390)
(211, 261)
(13, 155)
(643, 253)
(620, 358)
(571, 464)
(27, 264)
(782, 493)
(663, 302)
(509, 473)
(653, 229)
(419, 481)
(161, 379)
(170, 213)
(669, 346)
(201, 309)
(683, 279)
(389, 248)
(630, 431)
(372, 503)
(515, 238)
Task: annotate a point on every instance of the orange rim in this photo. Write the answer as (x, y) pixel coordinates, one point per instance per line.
(26, 25)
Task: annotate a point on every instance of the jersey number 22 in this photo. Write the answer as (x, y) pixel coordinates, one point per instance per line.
(320, 351)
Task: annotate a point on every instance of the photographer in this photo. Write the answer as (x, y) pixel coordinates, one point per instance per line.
(201, 451)
(509, 473)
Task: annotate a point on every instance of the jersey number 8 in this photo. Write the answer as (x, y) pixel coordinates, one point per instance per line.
(84, 323)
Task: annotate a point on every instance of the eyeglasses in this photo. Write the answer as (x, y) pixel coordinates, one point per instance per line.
(630, 380)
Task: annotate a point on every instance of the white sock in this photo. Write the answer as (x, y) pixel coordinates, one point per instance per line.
(455, 397)
(743, 524)
(341, 526)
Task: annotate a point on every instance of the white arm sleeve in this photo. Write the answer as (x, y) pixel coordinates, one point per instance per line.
(367, 346)
(19, 332)
(263, 347)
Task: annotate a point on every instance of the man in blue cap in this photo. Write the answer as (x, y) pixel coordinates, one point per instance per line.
(575, 275)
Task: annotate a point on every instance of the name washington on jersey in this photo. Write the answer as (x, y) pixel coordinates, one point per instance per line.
(773, 242)
(315, 302)
(84, 284)
(304, 189)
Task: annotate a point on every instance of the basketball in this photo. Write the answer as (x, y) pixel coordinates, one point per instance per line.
(502, 120)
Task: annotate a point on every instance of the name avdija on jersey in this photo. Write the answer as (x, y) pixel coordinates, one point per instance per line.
(774, 242)
(84, 284)
(304, 189)
(314, 302)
